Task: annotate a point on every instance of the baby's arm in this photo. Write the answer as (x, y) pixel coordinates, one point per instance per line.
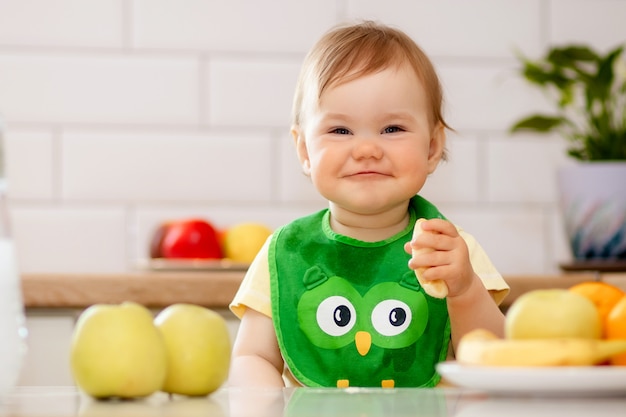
(256, 360)
(470, 305)
(474, 309)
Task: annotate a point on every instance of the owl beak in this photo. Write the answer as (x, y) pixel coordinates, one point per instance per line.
(363, 342)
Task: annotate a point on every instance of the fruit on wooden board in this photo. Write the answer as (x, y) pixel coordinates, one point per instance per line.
(186, 239)
(243, 241)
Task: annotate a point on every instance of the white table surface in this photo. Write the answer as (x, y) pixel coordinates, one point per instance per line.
(68, 401)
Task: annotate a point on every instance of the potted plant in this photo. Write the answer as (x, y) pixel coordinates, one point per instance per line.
(588, 90)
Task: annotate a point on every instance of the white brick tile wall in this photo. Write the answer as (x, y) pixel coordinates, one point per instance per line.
(523, 170)
(166, 167)
(52, 238)
(249, 92)
(486, 96)
(599, 23)
(491, 28)
(122, 114)
(92, 88)
(237, 25)
(97, 23)
(457, 180)
(512, 236)
(30, 164)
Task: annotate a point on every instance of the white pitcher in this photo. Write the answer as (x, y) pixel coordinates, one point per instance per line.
(12, 322)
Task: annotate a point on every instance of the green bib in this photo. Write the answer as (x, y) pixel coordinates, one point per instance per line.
(352, 313)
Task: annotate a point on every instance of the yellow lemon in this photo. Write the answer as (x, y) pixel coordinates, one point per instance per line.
(244, 240)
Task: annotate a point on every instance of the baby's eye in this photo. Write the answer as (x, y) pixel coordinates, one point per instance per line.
(340, 131)
(392, 129)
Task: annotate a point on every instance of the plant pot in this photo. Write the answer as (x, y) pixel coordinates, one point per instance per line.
(593, 204)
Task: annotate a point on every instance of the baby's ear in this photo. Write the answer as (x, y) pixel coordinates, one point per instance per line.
(437, 149)
(303, 153)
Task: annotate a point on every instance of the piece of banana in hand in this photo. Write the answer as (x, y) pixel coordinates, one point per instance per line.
(436, 288)
(481, 347)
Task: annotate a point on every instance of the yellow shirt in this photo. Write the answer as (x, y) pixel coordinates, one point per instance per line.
(254, 291)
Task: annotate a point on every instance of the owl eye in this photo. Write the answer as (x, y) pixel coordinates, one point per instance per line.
(391, 317)
(336, 315)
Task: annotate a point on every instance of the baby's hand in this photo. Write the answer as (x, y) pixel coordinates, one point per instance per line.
(435, 288)
(440, 254)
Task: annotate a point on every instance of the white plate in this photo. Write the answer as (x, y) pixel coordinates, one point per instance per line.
(163, 264)
(558, 380)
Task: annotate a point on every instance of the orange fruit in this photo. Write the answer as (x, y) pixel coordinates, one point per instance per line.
(604, 296)
(616, 328)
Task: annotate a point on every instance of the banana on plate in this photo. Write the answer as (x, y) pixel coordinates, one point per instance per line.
(481, 347)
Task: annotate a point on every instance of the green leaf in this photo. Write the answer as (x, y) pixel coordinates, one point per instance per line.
(589, 98)
(539, 75)
(570, 55)
(604, 78)
(538, 123)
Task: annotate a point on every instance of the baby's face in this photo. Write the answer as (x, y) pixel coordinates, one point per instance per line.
(369, 144)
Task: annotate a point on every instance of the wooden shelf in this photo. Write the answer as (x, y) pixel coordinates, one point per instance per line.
(214, 289)
(598, 266)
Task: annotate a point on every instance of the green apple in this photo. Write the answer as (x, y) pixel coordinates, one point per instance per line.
(198, 349)
(552, 313)
(243, 241)
(117, 351)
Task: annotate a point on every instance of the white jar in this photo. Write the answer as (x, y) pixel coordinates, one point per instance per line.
(12, 322)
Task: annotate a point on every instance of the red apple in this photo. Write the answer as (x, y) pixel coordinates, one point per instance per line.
(186, 239)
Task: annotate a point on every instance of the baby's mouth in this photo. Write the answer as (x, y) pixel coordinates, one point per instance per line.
(367, 174)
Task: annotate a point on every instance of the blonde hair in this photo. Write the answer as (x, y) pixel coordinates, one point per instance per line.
(349, 52)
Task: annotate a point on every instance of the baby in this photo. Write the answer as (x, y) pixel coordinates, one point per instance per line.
(332, 298)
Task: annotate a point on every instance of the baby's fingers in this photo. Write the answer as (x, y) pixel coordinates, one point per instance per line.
(436, 288)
